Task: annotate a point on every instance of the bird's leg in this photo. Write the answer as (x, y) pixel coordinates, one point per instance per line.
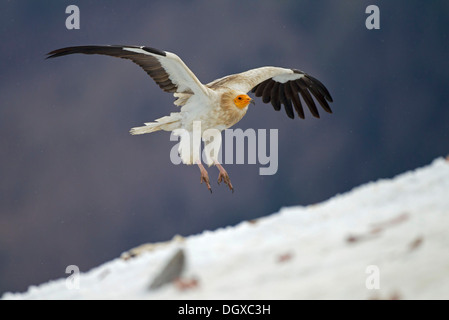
(223, 176)
(204, 176)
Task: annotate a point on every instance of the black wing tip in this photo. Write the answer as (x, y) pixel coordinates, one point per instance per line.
(71, 50)
(328, 96)
(315, 115)
(96, 49)
(318, 83)
(321, 87)
(56, 53)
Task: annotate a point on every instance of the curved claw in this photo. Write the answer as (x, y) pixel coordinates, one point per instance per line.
(205, 178)
(223, 176)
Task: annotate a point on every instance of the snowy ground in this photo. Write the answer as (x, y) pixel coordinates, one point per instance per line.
(385, 240)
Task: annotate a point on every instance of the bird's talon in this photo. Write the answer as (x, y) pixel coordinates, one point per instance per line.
(205, 178)
(224, 177)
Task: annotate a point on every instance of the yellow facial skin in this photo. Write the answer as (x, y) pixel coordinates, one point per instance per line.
(242, 101)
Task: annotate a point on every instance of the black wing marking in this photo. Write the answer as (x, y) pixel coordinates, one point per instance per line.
(149, 63)
(289, 92)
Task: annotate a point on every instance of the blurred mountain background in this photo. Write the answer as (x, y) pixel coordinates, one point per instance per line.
(77, 189)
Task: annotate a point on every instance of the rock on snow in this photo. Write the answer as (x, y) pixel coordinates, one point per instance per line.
(385, 240)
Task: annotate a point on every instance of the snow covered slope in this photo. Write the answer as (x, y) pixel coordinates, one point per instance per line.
(385, 240)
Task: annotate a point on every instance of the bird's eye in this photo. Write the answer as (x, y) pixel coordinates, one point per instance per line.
(240, 98)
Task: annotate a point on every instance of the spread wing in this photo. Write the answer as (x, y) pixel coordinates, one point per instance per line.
(166, 68)
(281, 86)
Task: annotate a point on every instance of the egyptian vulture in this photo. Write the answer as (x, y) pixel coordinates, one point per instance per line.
(217, 105)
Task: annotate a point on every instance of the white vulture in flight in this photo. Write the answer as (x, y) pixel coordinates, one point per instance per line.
(217, 105)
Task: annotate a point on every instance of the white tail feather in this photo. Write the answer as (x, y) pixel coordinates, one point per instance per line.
(167, 123)
(148, 128)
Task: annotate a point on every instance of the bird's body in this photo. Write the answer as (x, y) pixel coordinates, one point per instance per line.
(216, 111)
(217, 105)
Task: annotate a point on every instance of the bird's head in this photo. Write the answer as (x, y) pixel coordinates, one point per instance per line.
(242, 101)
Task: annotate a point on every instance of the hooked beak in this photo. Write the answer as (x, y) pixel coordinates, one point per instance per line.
(252, 102)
